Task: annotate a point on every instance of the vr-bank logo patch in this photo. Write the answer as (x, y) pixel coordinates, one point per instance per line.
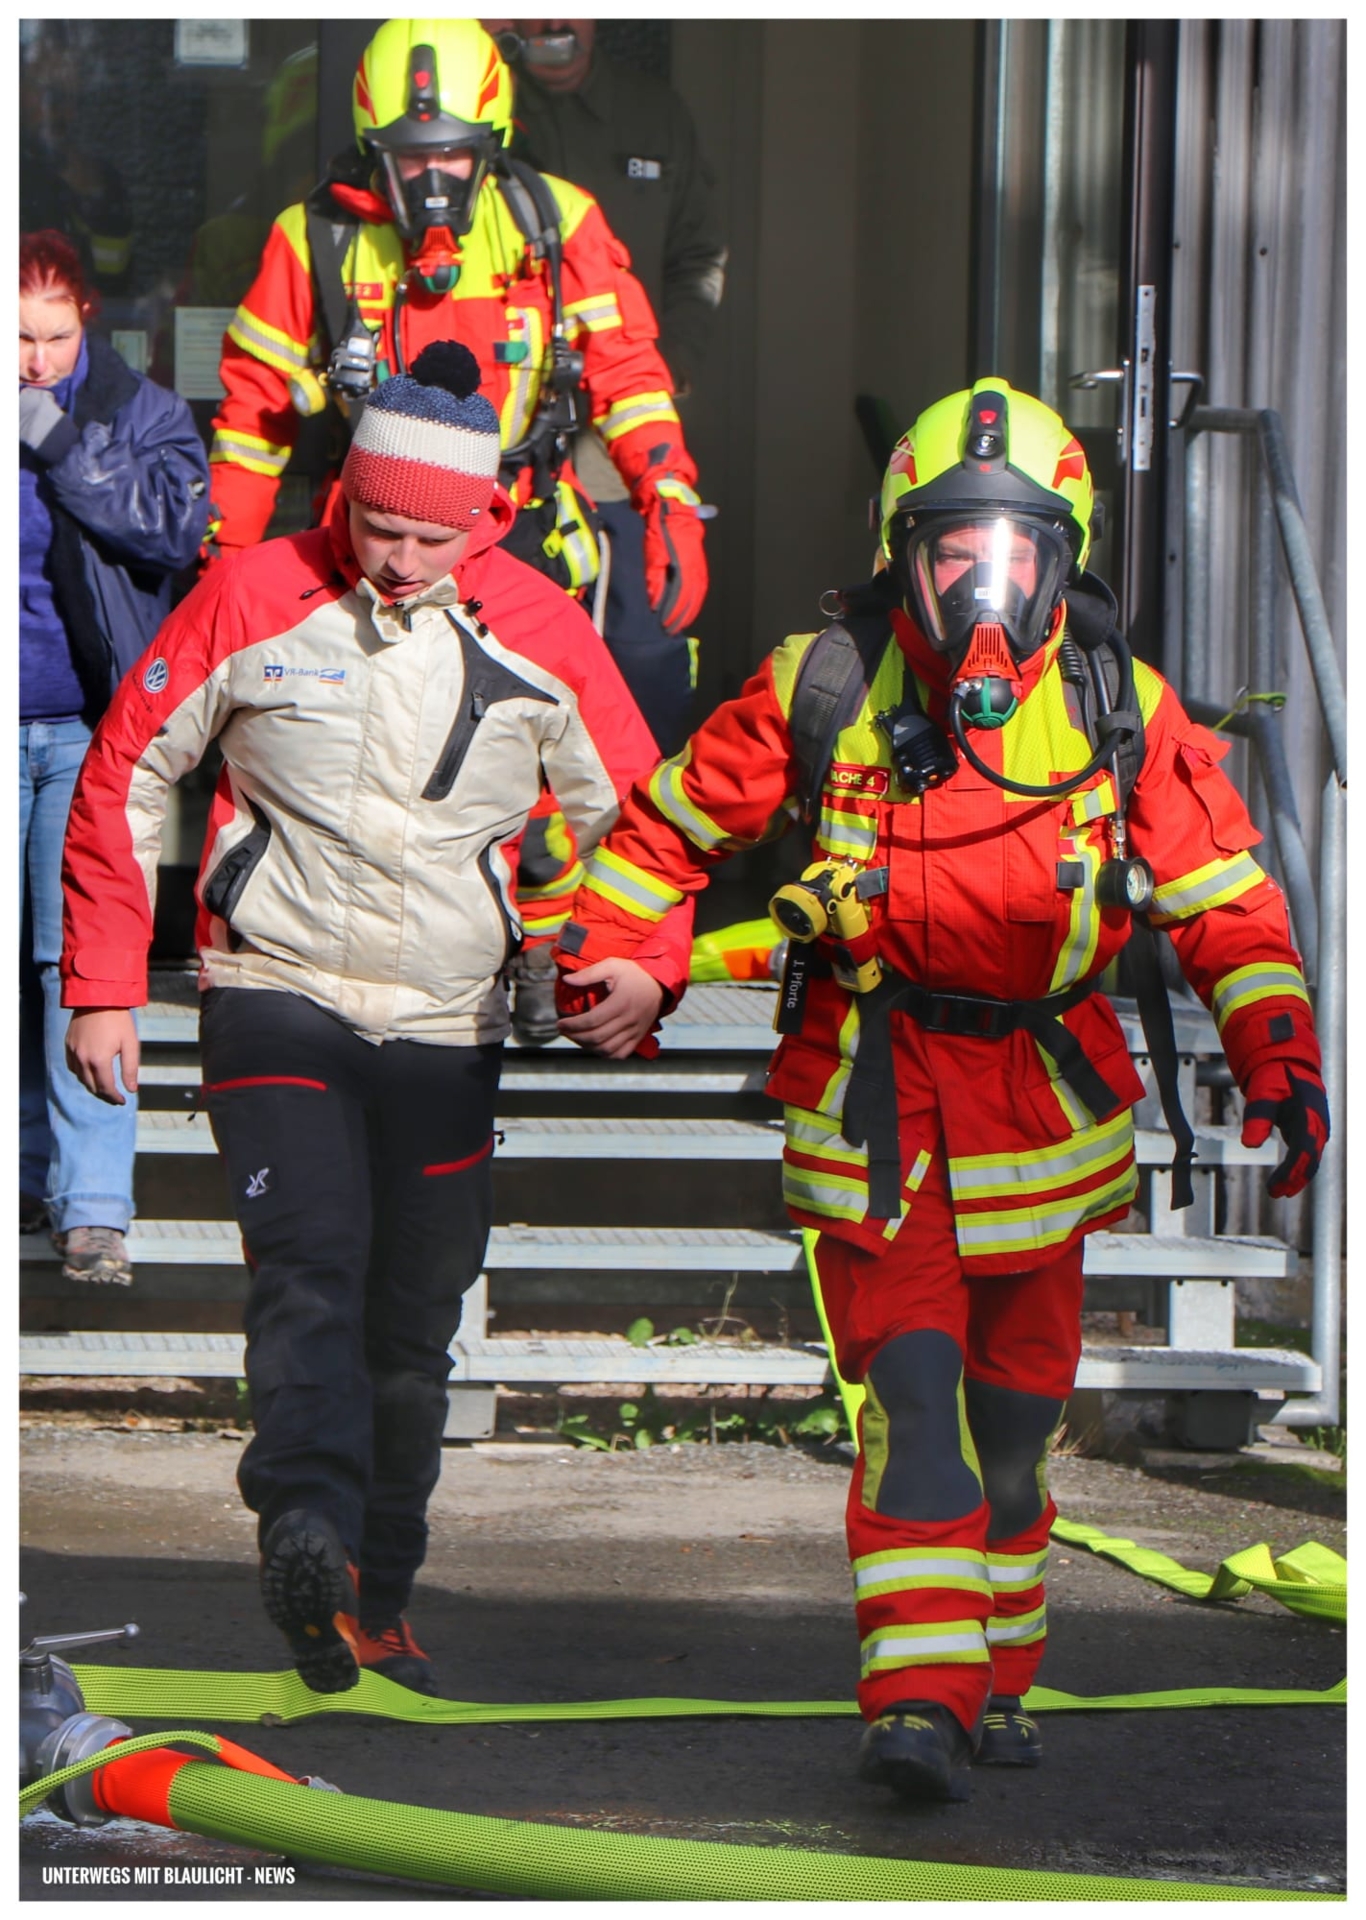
(275, 670)
(156, 676)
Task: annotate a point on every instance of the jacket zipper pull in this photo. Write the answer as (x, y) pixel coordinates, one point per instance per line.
(476, 705)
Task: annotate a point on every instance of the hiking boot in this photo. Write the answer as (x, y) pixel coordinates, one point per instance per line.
(309, 1591)
(919, 1750)
(97, 1255)
(387, 1646)
(32, 1213)
(1010, 1736)
(535, 1020)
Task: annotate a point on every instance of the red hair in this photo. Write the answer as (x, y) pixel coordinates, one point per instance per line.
(50, 267)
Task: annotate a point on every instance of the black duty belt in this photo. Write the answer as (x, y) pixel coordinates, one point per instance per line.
(870, 1110)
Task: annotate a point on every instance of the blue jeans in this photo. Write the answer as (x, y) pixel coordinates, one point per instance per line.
(74, 1150)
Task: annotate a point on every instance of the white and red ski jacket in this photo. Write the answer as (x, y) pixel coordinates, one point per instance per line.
(377, 758)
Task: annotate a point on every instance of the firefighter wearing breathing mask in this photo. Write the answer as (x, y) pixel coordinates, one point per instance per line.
(994, 787)
(430, 231)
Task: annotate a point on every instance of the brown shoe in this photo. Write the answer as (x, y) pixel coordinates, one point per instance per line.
(97, 1255)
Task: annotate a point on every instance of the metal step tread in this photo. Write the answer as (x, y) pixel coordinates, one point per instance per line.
(735, 1018)
(538, 1138)
(612, 1360)
(710, 1018)
(713, 1249)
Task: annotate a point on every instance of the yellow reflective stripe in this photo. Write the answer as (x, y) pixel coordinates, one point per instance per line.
(595, 315)
(1208, 886)
(678, 490)
(1019, 1629)
(110, 252)
(1078, 953)
(1016, 1569)
(819, 1133)
(1018, 1229)
(961, 1557)
(914, 1569)
(629, 886)
(1263, 980)
(567, 882)
(640, 410)
(810, 1193)
(919, 1169)
(268, 343)
(1094, 802)
(785, 662)
(987, 1175)
(832, 1097)
(940, 1642)
(852, 834)
(247, 450)
(545, 922)
(666, 790)
(524, 325)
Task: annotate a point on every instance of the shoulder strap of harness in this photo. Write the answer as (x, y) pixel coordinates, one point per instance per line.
(833, 682)
(1090, 622)
(331, 236)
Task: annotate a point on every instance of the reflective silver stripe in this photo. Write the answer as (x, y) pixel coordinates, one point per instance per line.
(650, 406)
(1190, 895)
(909, 1646)
(608, 873)
(965, 1567)
(272, 348)
(1041, 1226)
(1002, 1574)
(666, 790)
(1255, 983)
(1110, 1142)
(1029, 1626)
(852, 833)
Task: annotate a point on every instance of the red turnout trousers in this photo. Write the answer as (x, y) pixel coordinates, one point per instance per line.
(949, 1514)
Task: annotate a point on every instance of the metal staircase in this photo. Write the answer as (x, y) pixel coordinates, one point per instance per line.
(646, 1143)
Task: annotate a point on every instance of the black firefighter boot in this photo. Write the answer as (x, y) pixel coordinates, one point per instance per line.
(1010, 1736)
(532, 974)
(917, 1748)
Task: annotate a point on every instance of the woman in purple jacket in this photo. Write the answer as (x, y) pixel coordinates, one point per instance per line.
(113, 500)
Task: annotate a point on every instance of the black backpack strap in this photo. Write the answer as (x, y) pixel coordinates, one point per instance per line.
(1091, 615)
(1091, 621)
(833, 680)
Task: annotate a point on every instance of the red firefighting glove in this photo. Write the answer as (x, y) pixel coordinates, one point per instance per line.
(675, 567)
(1292, 1100)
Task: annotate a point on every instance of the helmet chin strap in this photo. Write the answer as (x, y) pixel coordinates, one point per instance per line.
(986, 684)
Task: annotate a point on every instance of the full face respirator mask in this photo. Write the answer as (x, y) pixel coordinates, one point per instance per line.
(985, 594)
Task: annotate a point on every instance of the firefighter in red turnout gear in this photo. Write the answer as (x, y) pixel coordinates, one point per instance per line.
(429, 231)
(994, 791)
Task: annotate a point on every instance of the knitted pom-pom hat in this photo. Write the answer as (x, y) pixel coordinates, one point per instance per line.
(427, 443)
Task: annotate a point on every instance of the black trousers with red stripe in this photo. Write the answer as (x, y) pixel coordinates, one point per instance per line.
(361, 1178)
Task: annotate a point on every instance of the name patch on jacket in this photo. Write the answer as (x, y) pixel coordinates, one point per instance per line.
(274, 671)
(857, 779)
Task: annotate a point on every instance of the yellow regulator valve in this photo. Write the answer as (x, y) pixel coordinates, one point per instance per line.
(307, 393)
(830, 899)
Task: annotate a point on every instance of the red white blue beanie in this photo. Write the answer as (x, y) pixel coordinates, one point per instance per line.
(426, 445)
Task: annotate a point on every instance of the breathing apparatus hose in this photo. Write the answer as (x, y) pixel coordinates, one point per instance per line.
(1104, 755)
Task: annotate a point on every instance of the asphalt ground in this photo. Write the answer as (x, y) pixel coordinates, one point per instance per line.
(716, 1572)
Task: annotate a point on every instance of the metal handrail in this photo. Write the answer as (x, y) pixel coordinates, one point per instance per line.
(1265, 422)
(1320, 929)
